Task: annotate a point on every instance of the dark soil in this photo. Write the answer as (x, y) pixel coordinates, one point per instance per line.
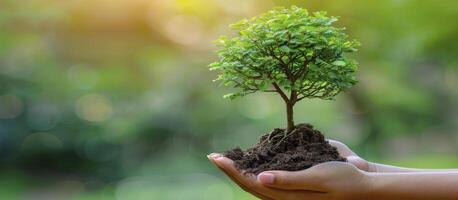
(303, 148)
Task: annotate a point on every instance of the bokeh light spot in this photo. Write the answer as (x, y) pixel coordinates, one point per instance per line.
(94, 108)
(451, 80)
(10, 106)
(242, 7)
(42, 117)
(41, 141)
(185, 30)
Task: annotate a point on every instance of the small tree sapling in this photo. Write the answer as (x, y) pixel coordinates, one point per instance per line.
(291, 52)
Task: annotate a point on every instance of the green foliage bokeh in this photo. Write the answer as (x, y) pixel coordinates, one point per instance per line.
(111, 100)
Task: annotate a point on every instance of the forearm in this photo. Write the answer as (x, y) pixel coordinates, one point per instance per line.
(376, 167)
(413, 185)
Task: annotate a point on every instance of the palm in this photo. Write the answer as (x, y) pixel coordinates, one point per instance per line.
(337, 171)
(351, 156)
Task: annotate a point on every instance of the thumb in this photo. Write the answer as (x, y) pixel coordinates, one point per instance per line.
(300, 180)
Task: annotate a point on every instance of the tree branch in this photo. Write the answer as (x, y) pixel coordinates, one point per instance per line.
(303, 70)
(293, 97)
(300, 98)
(282, 94)
(269, 90)
(259, 77)
(283, 65)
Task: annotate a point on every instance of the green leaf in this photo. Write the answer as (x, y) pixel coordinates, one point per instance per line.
(339, 63)
(214, 66)
(285, 49)
(282, 43)
(231, 96)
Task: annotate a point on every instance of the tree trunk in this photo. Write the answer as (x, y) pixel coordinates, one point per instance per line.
(289, 117)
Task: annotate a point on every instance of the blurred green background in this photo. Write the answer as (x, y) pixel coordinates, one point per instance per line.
(112, 99)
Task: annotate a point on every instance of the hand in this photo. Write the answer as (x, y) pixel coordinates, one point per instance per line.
(331, 180)
(351, 156)
(247, 182)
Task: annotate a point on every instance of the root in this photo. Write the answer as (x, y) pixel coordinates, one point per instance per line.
(286, 135)
(269, 137)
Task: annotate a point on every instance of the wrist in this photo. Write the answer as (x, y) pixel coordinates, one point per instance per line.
(369, 182)
(362, 188)
(371, 167)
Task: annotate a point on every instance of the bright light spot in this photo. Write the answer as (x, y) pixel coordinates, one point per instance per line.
(82, 77)
(42, 117)
(94, 108)
(10, 106)
(40, 141)
(244, 7)
(20, 60)
(185, 30)
(451, 79)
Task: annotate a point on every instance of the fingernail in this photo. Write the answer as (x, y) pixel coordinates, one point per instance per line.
(266, 178)
(220, 161)
(213, 156)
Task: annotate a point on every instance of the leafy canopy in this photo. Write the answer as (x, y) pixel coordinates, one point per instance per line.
(287, 50)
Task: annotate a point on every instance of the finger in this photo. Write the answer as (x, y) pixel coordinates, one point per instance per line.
(316, 178)
(250, 181)
(277, 180)
(246, 182)
(300, 180)
(351, 156)
(343, 150)
(359, 163)
(212, 158)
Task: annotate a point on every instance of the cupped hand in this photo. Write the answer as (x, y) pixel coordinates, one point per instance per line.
(326, 181)
(351, 156)
(332, 180)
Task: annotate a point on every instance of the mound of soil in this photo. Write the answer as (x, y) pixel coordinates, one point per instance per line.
(303, 148)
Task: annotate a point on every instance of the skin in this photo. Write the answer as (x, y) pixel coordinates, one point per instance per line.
(357, 179)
